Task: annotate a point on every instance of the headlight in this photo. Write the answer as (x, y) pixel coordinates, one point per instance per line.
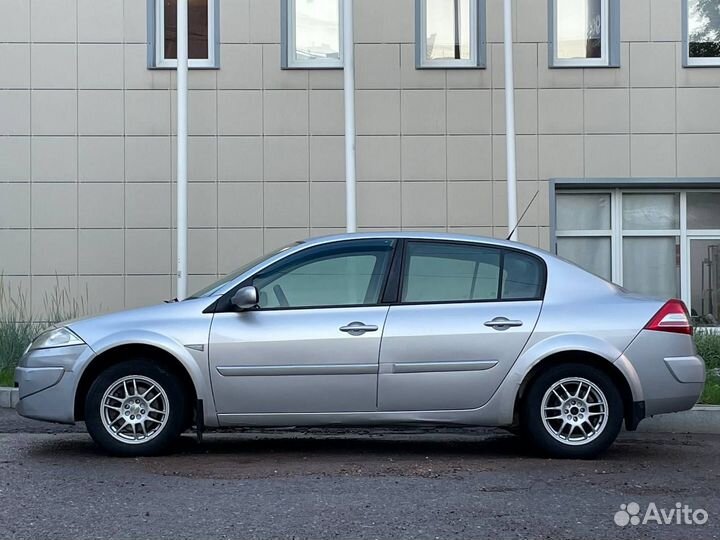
(55, 337)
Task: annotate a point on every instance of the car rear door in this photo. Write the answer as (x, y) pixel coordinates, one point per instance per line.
(464, 314)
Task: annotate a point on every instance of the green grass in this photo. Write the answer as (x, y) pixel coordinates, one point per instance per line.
(711, 392)
(708, 345)
(18, 326)
(7, 377)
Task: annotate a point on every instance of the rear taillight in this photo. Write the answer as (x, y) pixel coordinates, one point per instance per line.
(672, 317)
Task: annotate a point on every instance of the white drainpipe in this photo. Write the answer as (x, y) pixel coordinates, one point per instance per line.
(510, 121)
(182, 133)
(349, 92)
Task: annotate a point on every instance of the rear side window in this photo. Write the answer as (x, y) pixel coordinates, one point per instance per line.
(448, 272)
(445, 272)
(523, 277)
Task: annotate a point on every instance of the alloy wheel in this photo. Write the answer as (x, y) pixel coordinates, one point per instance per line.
(134, 409)
(574, 411)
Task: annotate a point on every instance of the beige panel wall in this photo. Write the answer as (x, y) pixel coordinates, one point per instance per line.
(86, 137)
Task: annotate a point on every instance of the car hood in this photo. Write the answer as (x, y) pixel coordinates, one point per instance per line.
(183, 322)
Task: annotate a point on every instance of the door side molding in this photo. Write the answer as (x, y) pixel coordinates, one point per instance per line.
(438, 367)
(306, 369)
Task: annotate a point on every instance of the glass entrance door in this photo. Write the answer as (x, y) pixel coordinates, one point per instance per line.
(705, 281)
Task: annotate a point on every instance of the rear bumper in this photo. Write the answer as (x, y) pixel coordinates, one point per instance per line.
(669, 371)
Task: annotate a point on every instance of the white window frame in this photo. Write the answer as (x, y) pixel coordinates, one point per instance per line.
(289, 43)
(159, 60)
(477, 39)
(689, 61)
(604, 60)
(617, 233)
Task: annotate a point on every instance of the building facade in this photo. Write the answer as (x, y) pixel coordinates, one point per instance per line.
(618, 145)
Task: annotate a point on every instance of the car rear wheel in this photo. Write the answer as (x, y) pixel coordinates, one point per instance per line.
(135, 408)
(572, 411)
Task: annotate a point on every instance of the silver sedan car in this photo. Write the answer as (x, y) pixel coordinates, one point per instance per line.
(375, 329)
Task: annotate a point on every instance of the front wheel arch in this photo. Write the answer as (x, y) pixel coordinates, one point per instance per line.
(124, 352)
(578, 357)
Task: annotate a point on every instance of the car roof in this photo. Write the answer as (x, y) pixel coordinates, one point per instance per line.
(420, 235)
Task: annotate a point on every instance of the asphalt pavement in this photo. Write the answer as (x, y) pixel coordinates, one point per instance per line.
(385, 484)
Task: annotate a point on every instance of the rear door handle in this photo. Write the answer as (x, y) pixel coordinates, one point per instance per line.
(502, 323)
(357, 328)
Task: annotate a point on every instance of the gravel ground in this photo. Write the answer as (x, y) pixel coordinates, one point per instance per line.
(411, 483)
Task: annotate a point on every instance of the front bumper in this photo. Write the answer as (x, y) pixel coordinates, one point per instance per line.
(46, 380)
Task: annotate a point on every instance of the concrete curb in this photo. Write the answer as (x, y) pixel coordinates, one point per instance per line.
(8, 397)
(700, 419)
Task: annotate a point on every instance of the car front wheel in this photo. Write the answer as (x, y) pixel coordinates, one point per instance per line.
(135, 408)
(572, 411)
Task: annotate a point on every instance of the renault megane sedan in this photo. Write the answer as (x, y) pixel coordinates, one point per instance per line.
(375, 329)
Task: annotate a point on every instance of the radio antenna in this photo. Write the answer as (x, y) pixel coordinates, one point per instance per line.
(523, 215)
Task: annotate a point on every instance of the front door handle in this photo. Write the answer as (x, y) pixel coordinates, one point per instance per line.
(357, 328)
(502, 323)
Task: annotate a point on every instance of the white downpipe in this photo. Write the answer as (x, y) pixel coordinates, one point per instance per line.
(182, 134)
(349, 92)
(510, 120)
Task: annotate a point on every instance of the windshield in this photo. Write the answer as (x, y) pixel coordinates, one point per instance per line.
(212, 289)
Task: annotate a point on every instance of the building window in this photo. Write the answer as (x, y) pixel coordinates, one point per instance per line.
(658, 242)
(203, 34)
(584, 33)
(701, 32)
(450, 33)
(312, 34)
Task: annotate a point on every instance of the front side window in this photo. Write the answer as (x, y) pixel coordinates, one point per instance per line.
(203, 38)
(701, 20)
(584, 33)
(341, 274)
(312, 34)
(450, 33)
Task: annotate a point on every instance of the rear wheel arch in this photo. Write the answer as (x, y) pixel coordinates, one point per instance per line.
(121, 353)
(577, 357)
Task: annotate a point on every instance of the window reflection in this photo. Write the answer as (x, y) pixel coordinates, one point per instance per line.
(317, 30)
(579, 29)
(702, 210)
(644, 211)
(704, 28)
(651, 265)
(448, 30)
(197, 29)
(705, 281)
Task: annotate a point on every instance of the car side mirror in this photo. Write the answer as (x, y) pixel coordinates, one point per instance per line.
(245, 298)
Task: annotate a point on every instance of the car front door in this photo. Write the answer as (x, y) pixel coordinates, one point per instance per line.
(464, 314)
(312, 345)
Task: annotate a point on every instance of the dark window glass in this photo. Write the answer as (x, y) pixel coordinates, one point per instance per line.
(522, 276)
(339, 274)
(446, 272)
(197, 29)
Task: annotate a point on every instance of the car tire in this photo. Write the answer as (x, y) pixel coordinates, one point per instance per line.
(580, 422)
(143, 398)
